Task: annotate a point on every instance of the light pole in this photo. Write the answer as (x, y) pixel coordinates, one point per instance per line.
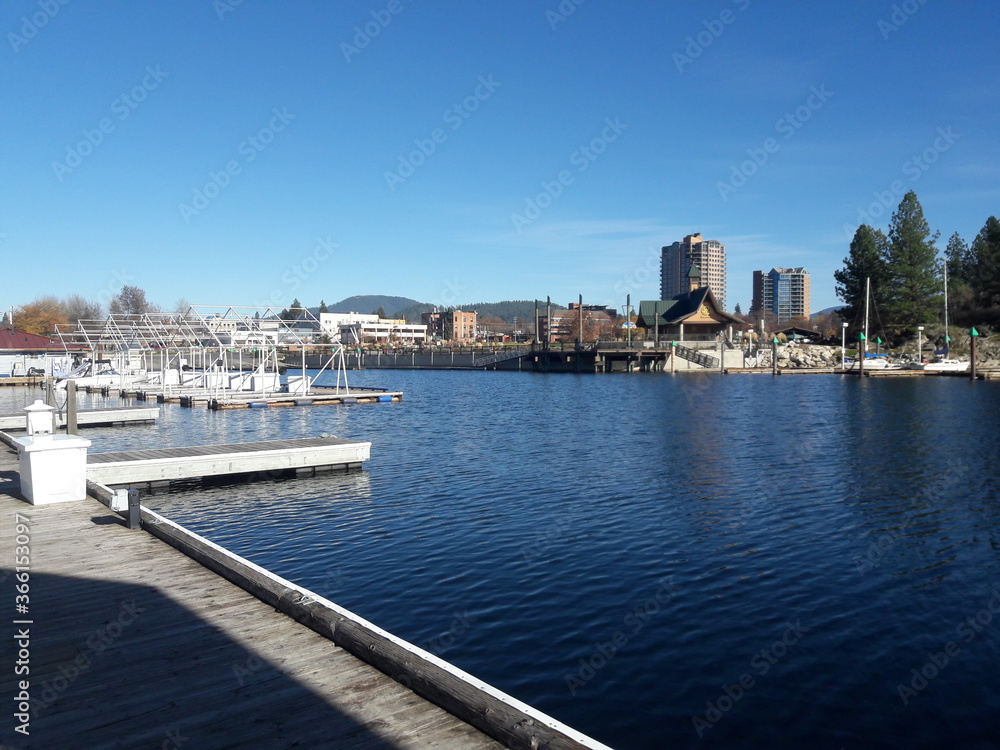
(843, 346)
(920, 344)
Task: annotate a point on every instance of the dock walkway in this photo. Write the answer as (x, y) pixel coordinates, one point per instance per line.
(302, 455)
(134, 644)
(95, 417)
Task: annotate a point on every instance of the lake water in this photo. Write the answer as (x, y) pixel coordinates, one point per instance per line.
(688, 561)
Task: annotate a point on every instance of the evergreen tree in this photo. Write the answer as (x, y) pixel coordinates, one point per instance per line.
(960, 267)
(292, 313)
(736, 310)
(380, 312)
(866, 261)
(915, 295)
(984, 271)
(322, 307)
(958, 259)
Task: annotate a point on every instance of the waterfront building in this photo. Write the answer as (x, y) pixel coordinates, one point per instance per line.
(693, 315)
(21, 352)
(782, 292)
(676, 260)
(598, 324)
(451, 325)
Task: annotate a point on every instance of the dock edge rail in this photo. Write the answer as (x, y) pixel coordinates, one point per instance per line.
(499, 715)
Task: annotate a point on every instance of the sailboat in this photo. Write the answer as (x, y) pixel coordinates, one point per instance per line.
(872, 361)
(941, 362)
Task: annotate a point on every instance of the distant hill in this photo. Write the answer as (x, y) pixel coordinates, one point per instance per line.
(369, 303)
(410, 309)
(833, 309)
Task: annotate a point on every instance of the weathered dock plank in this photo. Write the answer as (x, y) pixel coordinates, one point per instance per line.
(164, 464)
(96, 417)
(133, 642)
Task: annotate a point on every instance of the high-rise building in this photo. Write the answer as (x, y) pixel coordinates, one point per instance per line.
(783, 292)
(676, 261)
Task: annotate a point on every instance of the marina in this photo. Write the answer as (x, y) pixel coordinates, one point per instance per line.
(231, 653)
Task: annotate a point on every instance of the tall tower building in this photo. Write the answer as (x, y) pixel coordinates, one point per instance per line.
(783, 292)
(676, 261)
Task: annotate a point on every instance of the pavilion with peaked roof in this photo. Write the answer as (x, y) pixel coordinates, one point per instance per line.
(694, 315)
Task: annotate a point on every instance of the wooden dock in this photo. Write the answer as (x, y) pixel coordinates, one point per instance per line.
(22, 380)
(132, 641)
(154, 640)
(301, 456)
(98, 417)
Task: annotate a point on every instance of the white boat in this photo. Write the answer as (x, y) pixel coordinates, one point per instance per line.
(939, 364)
(92, 374)
(872, 362)
(942, 363)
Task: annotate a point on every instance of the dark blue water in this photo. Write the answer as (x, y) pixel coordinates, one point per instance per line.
(689, 561)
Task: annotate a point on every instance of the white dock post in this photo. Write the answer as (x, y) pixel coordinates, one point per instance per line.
(53, 468)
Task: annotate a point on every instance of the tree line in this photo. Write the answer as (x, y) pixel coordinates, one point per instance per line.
(906, 275)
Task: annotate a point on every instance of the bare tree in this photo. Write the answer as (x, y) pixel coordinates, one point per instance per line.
(78, 308)
(131, 300)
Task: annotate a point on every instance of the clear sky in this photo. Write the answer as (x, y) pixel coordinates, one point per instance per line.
(250, 152)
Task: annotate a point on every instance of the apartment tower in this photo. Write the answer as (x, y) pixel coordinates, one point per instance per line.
(676, 260)
(783, 292)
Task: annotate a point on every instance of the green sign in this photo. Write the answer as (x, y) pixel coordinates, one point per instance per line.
(861, 336)
(774, 340)
(973, 333)
(878, 340)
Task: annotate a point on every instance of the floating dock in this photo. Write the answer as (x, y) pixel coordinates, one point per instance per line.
(170, 640)
(300, 456)
(99, 417)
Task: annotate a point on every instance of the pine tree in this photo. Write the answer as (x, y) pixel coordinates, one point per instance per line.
(866, 262)
(736, 310)
(984, 271)
(958, 260)
(322, 307)
(915, 294)
(957, 257)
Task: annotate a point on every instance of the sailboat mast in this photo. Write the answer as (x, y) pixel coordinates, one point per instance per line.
(946, 339)
(868, 288)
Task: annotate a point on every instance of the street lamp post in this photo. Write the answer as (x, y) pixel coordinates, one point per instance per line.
(843, 346)
(920, 344)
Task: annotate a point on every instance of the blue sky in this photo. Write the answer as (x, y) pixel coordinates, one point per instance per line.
(251, 152)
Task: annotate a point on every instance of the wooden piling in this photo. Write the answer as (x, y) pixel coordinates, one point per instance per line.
(71, 408)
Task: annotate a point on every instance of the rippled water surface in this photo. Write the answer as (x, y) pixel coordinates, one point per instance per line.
(689, 561)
